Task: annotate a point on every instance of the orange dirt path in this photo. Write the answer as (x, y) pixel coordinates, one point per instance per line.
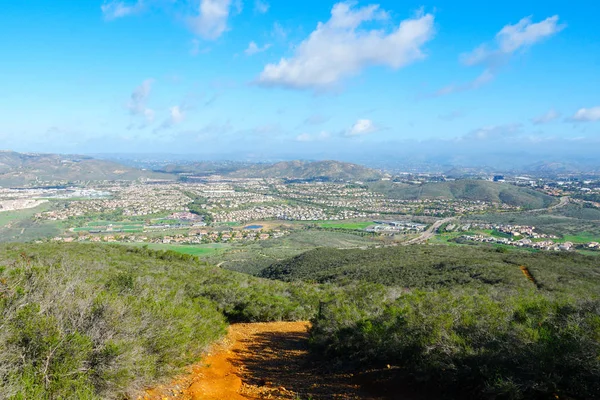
(527, 274)
(260, 361)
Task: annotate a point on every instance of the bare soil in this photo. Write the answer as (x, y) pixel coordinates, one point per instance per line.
(263, 361)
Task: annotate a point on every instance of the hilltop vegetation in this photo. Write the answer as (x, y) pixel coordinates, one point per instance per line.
(474, 190)
(464, 344)
(475, 322)
(90, 321)
(435, 267)
(21, 169)
(104, 321)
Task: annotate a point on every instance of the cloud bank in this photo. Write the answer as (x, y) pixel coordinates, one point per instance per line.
(339, 48)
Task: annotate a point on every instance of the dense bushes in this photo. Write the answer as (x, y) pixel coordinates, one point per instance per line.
(247, 301)
(473, 345)
(66, 336)
(100, 321)
(434, 267)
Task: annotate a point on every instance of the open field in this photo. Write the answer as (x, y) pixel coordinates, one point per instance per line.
(583, 237)
(122, 228)
(356, 226)
(194, 250)
(114, 223)
(252, 257)
(19, 226)
(7, 217)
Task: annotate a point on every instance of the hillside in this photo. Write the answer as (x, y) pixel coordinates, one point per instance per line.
(203, 168)
(103, 322)
(468, 190)
(18, 169)
(427, 267)
(332, 170)
(106, 321)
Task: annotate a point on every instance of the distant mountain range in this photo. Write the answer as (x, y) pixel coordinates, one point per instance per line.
(19, 169)
(333, 170)
(302, 170)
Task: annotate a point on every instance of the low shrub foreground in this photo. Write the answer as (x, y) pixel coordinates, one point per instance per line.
(89, 321)
(103, 322)
(471, 345)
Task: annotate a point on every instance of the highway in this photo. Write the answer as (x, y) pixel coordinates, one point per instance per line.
(430, 232)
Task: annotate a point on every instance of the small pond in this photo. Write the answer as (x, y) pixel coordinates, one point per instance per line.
(253, 227)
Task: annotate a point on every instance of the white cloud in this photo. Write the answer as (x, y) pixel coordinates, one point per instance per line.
(118, 9)
(546, 118)
(508, 40)
(261, 7)
(362, 127)
(279, 32)
(526, 33)
(253, 48)
(587, 115)
(493, 132)
(138, 100)
(338, 49)
(176, 116)
(307, 137)
(211, 23)
(511, 38)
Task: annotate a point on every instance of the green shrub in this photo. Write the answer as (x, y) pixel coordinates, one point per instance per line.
(102, 321)
(473, 344)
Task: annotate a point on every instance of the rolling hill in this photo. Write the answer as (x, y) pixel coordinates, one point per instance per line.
(332, 170)
(468, 190)
(434, 267)
(301, 170)
(18, 169)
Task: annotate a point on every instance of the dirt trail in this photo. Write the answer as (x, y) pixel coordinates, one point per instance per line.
(528, 275)
(261, 361)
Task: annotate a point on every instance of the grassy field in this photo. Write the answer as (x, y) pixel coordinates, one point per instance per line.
(355, 226)
(583, 237)
(114, 223)
(122, 228)
(194, 250)
(252, 257)
(7, 217)
(20, 226)
(230, 224)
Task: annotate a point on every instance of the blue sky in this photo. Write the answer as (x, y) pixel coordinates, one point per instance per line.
(310, 79)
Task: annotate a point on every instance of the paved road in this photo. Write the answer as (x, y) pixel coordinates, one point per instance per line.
(563, 202)
(429, 233)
